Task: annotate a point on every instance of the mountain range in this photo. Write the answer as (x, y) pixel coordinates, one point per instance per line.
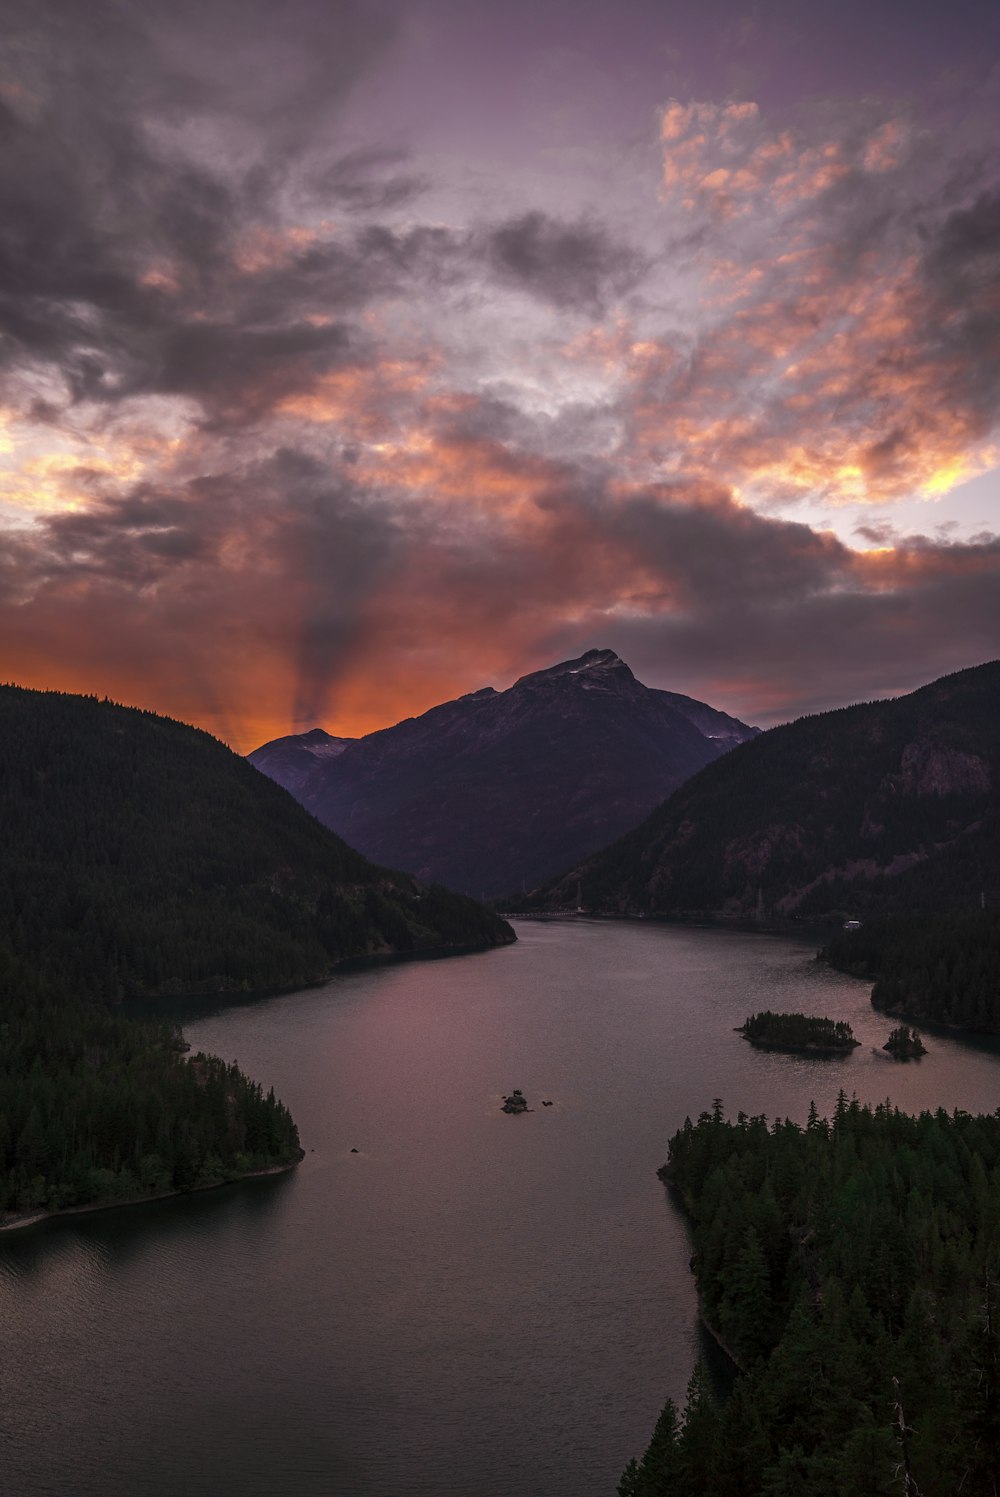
(499, 790)
(885, 806)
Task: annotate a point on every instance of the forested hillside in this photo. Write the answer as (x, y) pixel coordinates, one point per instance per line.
(885, 806)
(141, 856)
(852, 1268)
(97, 1107)
(944, 968)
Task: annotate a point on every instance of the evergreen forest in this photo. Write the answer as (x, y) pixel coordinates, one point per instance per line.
(798, 1032)
(879, 807)
(140, 857)
(96, 1107)
(905, 1043)
(850, 1267)
(943, 968)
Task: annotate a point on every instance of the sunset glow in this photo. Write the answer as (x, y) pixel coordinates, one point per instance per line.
(320, 405)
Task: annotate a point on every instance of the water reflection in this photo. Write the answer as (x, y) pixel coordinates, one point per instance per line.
(472, 1299)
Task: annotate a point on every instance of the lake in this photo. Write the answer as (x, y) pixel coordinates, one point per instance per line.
(472, 1303)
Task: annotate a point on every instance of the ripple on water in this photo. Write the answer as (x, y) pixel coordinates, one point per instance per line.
(471, 1301)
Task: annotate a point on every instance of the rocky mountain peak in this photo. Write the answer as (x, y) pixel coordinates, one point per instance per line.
(594, 664)
(498, 789)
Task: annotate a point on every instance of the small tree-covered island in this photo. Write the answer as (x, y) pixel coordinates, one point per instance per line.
(905, 1043)
(850, 1268)
(799, 1032)
(142, 858)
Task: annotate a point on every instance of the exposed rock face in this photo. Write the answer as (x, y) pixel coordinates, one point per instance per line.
(930, 769)
(888, 805)
(497, 790)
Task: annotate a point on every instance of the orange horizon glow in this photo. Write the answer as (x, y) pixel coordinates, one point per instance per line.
(359, 438)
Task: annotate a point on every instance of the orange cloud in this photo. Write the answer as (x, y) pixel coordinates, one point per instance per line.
(719, 157)
(363, 401)
(812, 374)
(161, 278)
(886, 147)
(263, 249)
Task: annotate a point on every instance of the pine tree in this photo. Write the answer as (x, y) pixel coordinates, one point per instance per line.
(699, 1437)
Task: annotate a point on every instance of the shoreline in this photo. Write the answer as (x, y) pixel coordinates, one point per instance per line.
(720, 1343)
(665, 1175)
(826, 1051)
(931, 1024)
(223, 996)
(36, 1218)
(134, 1001)
(811, 929)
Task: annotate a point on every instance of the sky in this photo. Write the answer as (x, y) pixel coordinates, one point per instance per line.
(356, 355)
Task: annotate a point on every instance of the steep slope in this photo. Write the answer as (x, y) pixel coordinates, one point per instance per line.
(142, 856)
(887, 805)
(498, 790)
(291, 760)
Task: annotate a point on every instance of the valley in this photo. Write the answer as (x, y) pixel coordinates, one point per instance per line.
(368, 1308)
(498, 790)
(155, 880)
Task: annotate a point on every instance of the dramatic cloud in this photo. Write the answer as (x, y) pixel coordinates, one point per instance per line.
(311, 408)
(574, 265)
(292, 563)
(848, 348)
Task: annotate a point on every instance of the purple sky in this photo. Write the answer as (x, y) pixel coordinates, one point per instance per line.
(355, 356)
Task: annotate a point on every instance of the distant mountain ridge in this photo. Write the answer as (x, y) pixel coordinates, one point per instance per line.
(142, 856)
(891, 805)
(297, 755)
(499, 789)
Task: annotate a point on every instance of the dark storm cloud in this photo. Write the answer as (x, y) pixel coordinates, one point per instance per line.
(238, 373)
(828, 649)
(368, 180)
(150, 532)
(777, 620)
(362, 427)
(715, 550)
(285, 548)
(151, 153)
(146, 148)
(574, 265)
(133, 542)
(304, 559)
(762, 616)
(335, 548)
(962, 274)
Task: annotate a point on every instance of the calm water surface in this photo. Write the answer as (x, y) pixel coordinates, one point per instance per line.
(472, 1303)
